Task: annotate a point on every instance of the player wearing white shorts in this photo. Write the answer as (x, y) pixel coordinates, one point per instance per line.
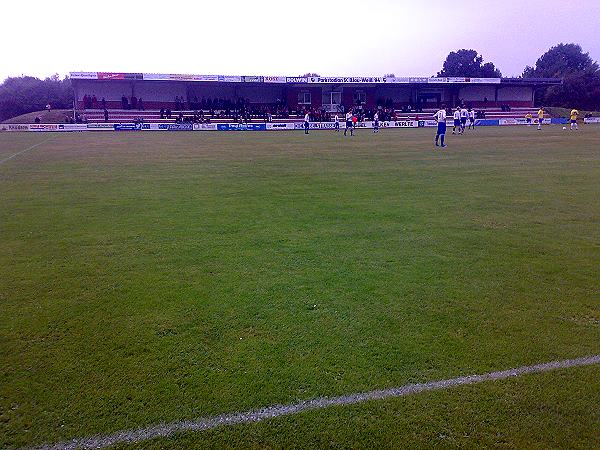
(456, 121)
(471, 118)
(376, 123)
(349, 124)
(464, 115)
(336, 121)
(440, 117)
(540, 114)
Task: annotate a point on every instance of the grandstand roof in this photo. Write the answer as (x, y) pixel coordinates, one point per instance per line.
(108, 76)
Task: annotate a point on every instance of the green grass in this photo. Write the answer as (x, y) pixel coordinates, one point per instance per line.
(152, 277)
(52, 116)
(555, 111)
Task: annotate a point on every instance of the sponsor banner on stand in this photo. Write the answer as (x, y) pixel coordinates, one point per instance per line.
(559, 121)
(111, 76)
(346, 80)
(369, 124)
(591, 120)
(205, 127)
(100, 126)
(523, 121)
(418, 79)
(83, 75)
(402, 80)
(280, 126)
(72, 127)
(428, 123)
(400, 124)
(178, 77)
(15, 127)
(241, 126)
(43, 127)
(296, 80)
(323, 125)
(175, 126)
(230, 79)
(276, 79)
(134, 76)
(127, 126)
(484, 80)
(461, 80)
(482, 122)
(512, 121)
(253, 79)
(183, 77)
(156, 76)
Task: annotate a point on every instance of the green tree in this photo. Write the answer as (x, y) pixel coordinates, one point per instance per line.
(579, 72)
(20, 95)
(468, 63)
(560, 61)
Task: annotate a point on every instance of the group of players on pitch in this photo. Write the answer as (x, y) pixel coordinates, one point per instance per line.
(351, 121)
(460, 119)
(461, 115)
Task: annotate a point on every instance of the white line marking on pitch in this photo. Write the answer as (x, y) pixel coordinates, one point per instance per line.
(168, 429)
(23, 151)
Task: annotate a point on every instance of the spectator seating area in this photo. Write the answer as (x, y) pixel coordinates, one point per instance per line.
(220, 116)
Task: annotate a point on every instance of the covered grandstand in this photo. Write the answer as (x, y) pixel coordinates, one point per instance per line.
(218, 98)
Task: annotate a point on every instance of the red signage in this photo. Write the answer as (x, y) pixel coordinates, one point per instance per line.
(110, 76)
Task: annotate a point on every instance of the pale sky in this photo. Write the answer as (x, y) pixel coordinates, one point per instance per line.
(281, 37)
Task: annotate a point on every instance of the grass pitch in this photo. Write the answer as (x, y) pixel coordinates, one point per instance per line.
(153, 277)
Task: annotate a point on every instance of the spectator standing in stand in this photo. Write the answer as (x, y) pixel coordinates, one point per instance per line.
(140, 104)
(105, 115)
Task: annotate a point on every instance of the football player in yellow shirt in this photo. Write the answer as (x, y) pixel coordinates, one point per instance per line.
(528, 118)
(574, 115)
(540, 114)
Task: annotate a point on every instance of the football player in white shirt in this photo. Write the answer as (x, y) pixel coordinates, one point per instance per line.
(440, 117)
(306, 122)
(337, 123)
(471, 118)
(349, 123)
(464, 115)
(376, 123)
(456, 121)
